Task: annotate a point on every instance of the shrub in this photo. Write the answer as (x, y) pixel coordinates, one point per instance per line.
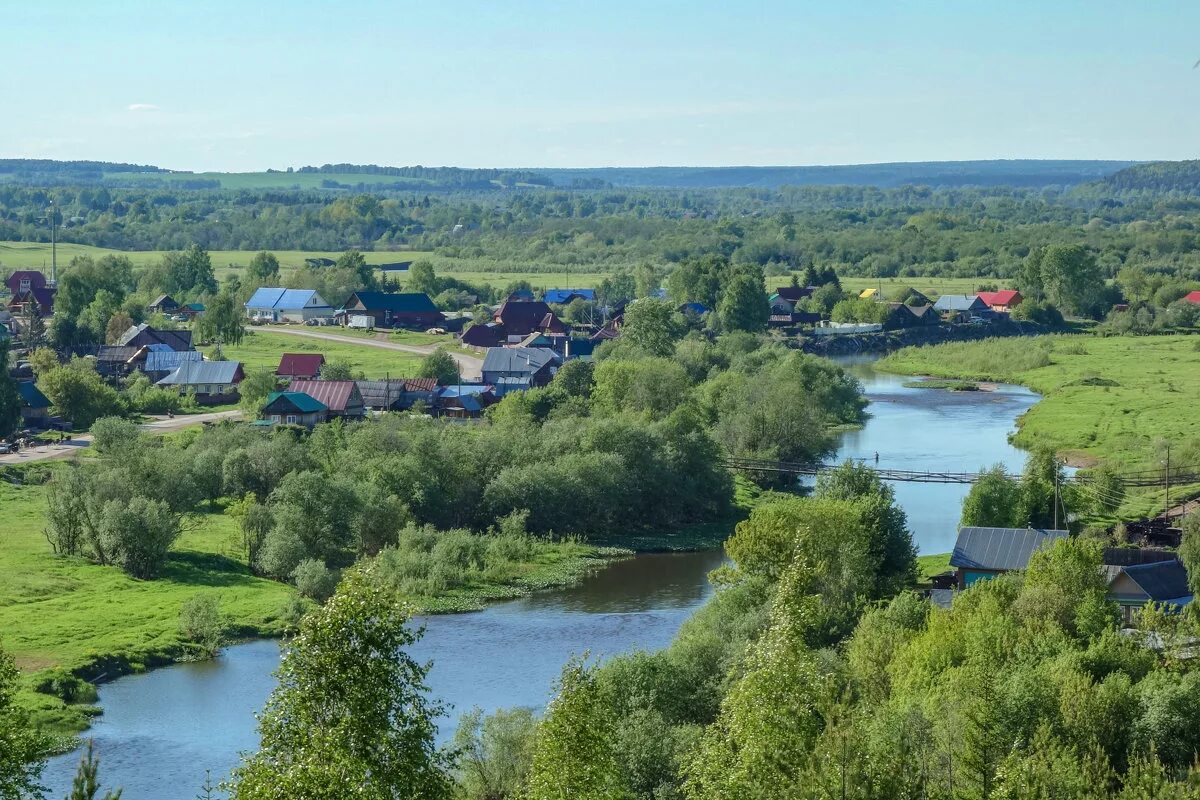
(137, 534)
(201, 624)
(293, 610)
(314, 580)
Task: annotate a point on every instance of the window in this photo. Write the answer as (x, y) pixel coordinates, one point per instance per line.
(26, 284)
(292, 419)
(275, 418)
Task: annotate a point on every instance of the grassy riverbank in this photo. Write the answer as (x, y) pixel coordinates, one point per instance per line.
(1118, 401)
(63, 618)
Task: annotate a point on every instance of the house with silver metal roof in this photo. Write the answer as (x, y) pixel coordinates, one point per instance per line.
(981, 553)
(212, 382)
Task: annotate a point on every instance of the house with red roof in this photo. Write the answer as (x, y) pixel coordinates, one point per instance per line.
(300, 365)
(1193, 297)
(1002, 301)
(30, 286)
(341, 398)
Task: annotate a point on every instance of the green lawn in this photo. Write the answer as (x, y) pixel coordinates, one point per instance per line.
(415, 338)
(1117, 400)
(262, 348)
(932, 565)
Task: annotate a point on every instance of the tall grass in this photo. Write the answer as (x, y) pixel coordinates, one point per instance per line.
(990, 359)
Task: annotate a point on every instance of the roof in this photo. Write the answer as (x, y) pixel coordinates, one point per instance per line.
(522, 316)
(1000, 549)
(866, 293)
(697, 308)
(464, 390)
(193, 373)
(1005, 297)
(304, 365)
(176, 340)
(302, 401)
(114, 353)
(489, 335)
(959, 302)
(1162, 581)
(167, 360)
(1192, 297)
(334, 394)
(518, 359)
(564, 296)
(794, 294)
(197, 307)
(410, 302)
(163, 298)
(36, 279)
(31, 395)
(285, 299)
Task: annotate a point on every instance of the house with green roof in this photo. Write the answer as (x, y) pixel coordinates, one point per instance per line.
(293, 408)
(35, 406)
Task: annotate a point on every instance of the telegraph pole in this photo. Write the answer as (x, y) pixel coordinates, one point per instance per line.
(53, 246)
(1167, 478)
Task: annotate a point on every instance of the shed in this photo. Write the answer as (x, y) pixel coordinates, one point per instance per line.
(794, 294)
(293, 408)
(398, 394)
(300, 365)
(287, 305)
(35, 406)
(981, 553)
(341, 397)
(564, 296)
(491, 334)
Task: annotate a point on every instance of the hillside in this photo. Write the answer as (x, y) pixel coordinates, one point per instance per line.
(1159, 176)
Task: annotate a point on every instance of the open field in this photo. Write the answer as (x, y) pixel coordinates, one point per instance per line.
(262, 348)
(1119, 401)
(414, 338)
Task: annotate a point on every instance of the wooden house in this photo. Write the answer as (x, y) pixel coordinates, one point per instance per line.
(401, 310)
(293, 408)
(467, 401)
(30, 288)
(300, 365)
(1133, 586)
(523, 317)
(981, 553)
(35, 406)
(1003, 301)
(163, 304)
(341, 398)
(142, 335)
(213, 382)
(513, 368)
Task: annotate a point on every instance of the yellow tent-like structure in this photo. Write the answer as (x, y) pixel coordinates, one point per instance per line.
(867, 294)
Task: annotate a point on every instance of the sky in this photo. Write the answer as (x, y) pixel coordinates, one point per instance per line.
(246, 85)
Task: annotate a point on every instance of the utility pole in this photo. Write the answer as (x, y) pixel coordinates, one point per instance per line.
(1167, 477)
(53, 246)
(1056, 495)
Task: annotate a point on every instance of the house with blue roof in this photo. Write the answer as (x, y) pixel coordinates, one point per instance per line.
(464, 401)
(564, 296)
(287, 305)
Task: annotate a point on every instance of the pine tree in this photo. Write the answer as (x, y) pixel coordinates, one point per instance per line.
(87, 783)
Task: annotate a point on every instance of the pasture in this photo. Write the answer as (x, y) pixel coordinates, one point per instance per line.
(262, 348)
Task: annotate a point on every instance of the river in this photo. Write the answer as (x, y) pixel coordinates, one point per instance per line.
(162, 730)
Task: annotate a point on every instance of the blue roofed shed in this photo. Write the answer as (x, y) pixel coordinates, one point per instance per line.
(563, 296)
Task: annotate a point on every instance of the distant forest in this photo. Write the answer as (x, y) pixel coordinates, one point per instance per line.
(1146, 215)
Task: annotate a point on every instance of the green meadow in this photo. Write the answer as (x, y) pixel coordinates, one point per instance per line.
(1119, 401)
(261, 349)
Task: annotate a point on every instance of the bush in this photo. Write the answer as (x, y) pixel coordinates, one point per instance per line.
(137, 534)
(293, 611)
(314, 580)
(201, 624)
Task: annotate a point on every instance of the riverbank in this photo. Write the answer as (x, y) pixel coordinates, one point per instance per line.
(70, 624)
(890, 341)
(1118, 401)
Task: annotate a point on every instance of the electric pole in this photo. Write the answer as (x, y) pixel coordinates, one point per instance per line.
(53, 246)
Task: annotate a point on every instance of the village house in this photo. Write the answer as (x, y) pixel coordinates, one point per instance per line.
(163, 304)
(521, 318)
(982, 553)
(562, 297)
(159, 360)
(300, 365)
(189, 311)
(466, 401)
(794, 294)
(139, 336)
(213, 382)
(398, 394)
(35, 406)
(517, 368)
(961, 307)
(341, 398)
(1133, 586)
(30, 287)
(1002, 302)
(287, 305)
(293, 408)
(481, 337)
(402, 310)
(1193, 297)
(902, 315)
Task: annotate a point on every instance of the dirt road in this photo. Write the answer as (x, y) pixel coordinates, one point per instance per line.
(471, 365)
(80, 441)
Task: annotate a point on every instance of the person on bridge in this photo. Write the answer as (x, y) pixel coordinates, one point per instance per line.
(876, 456)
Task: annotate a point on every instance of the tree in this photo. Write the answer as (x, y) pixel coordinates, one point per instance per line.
(994, 501)
(651, 325)
(78, 393)
(422, 278)
(1189, 550)
(86, 785)
(222, 321)
(495, 753)
(574, 754)
(255, 388)
(118, 323)
(743, 305)
(137, 534)
(1072, 279)
(201, 624)
(263, 268)
(575, 378)
(10, 400)
(337, 370)
(350, 711)
(440, 365)
(22, 749)
(189, 270)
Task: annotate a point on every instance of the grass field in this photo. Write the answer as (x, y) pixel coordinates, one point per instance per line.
(262, 348)
(932, 565)
(415, 338)
(1119, 400)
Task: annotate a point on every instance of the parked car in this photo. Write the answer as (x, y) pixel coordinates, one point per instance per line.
(6, 448)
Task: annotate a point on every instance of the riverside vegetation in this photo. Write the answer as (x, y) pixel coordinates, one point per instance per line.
(109, 548)
(1117, 402)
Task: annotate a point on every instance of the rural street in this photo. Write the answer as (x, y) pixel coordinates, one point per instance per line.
(471, 365)
(80, 441)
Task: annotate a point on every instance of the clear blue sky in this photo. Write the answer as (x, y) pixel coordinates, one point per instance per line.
(247, 84)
